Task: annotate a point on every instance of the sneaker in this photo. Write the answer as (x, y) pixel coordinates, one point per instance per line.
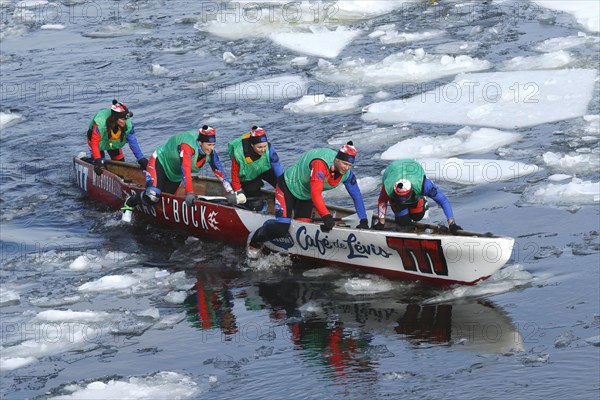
(127, 212)
(126, 217)
(252, 251)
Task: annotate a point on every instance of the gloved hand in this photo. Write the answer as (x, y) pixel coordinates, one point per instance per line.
(190, 198)
(364, 224)
(454, 228)
(378, 226)
(99, 166)
(143, 163)
(328, 223)
(236, 197)
(240, 197)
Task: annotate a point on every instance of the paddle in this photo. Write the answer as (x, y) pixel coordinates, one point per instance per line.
(210, 198)
(444, 229)
(352, 219)
(224, 198)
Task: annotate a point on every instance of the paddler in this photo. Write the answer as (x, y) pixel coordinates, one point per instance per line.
(301, 187)
(253, 160)
(109, 130)
(405, 187)
(173, 163)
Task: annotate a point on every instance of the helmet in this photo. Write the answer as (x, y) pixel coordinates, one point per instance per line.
(120, 110)
(151, 195)
(402, 188)
(347, 152)
(207, 134)
(257, 135)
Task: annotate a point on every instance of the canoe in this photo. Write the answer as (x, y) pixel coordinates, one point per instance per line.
(429, 254)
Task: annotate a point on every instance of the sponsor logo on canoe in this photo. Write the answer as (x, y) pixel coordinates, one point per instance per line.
(420, 255)
(321, 242)
(285, 242)
(81, 173)
(108, 184)
(197, 216)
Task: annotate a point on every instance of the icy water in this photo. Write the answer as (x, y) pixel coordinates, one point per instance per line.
(92, 308)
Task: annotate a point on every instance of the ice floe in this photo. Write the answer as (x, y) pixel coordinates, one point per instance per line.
(475, 171)
(410, 66)
(465, 141)
(586, 12)
(504, 100)
(319, 103)
(320, 41)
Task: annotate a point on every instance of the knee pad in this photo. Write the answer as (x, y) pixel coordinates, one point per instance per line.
(151, 195)
(278, 229)
(255, 204)
(403, 220)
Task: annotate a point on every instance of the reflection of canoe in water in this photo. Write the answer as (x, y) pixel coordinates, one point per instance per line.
(479, 326)
(314, 311)
(428, 255)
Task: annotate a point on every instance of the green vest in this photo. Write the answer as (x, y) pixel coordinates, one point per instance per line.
(404, 169)
(297, 177)
(248, 169)
(105, 144)
(168, 154)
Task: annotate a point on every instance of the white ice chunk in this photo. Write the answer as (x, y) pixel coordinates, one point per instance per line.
(8, 118)
(497, 99)
(321, 104)
(320, 42)
(586, 12)
(80, 263)
(392, 37)
(465, 141)
(410, 66)
(71, 316)
(161, 385)
(109, 283)
(475, 171)
(228, 57)
(554, 60)
(573, 164)
(576, 192)
(567, 42)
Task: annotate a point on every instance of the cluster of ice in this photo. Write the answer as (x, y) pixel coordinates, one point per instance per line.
(505, 100)
(475, 171)
(160, 385)
(502, 281)
(319, 42)
(387, 35)
(575, 193)
(586, 12)
(465, 141)
(407, 67)
(554, 60)
(572, 164)
(140, 280)
(319, 103)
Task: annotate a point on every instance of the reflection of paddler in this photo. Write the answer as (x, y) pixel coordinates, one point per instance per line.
(331, 345)
(209, 309)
